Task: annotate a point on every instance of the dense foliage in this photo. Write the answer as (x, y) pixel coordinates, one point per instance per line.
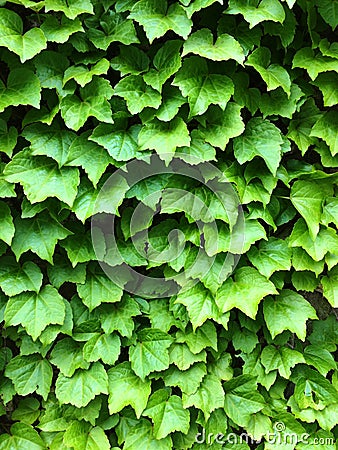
(250, 89)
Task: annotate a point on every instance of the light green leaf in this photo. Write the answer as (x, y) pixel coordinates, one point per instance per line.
(50, 67)
(131, 60)
(11, 36)
(201, 87)
(82, 75)
(67, 356)
(29, 374)
(83, 152)
(42, 178)
(15, 279)
(166, 63)
(34, 311)
(150, 353)
(242, 399)
(98, 288)
(330, 211)
(137, 93)
(308, 198)
(28, 410)
(320, 358)
(183, 358)
(62, 271)
(7, 228)
(164, 137)
(328, 9)
(197, 5)
(39, 234)
(288, 311)
(188, 380)
(326, 128)
(92, 101)
(167, 414)
(330, 287)
(156, 18)
(208, 397)
(125, 388)
(327, 83)
(326, 240)
(222, 125)
(142, 435)
(255, 11)
(121, 144)
(260, 138)
(22, 437)
(245, 292)
(71, 8)
(81, 436)
(274, 75)
(225, 47)
(199, 303)
(119, 316)
(106, 347)
(271, 256)
(8, 138)
(59, 30)
(314, 64)
(116, 28)
(23, 88)
(83, 386)
(281, 359)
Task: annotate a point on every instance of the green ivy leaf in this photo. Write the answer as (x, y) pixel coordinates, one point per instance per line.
(116, 28)
(39, 235)
(15, 279)
(98, 288)
(164, 137)
(225, 47)
(125, 388)
(23, 88)
(25, 45)
(167, 414)
(150, 353)
(34, 311)
(93, 101)
(330, 287)
(157, 18)
(327, 83)
(245, 292)
(59, 30)
(7, 228)
(82, 75)
(166, 63)
(106, 347)
(183, 358)
(242, 399)
(326, 128)
(67, 356)
(271, 256)
(72, 8)
(201, 87)
(199, 303)
(42, 178)
(208, 397)
(255, 12)
(221, 125)
(80, 435)
(142, 434)
(137, 93)
(274, 75)
(121, 144)
(260, 138)
(329, 12)
(131, 60)
(8, 138)
(22, 436)
(83, 386)
(119, 316)
(281, 359)
(313, 63)
(288, 311)
(308, 198)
